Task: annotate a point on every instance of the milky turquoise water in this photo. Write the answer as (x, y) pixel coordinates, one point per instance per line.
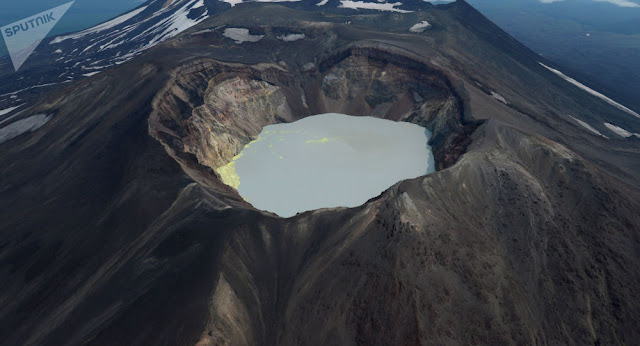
(329, 160)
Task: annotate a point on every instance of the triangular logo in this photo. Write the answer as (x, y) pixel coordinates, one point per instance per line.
(23, 36)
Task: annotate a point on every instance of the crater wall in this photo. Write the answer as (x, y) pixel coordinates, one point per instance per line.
(209, 109)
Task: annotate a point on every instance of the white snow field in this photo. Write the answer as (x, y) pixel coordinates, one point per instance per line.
(241, 35)
(21, 126)
(420, 27)
(588, 127)
(620, 131)
(380, 6)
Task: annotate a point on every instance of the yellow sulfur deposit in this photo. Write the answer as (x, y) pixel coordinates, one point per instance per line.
(228, 173)
(324, 140)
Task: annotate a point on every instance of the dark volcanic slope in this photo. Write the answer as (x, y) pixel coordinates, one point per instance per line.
(116, 230)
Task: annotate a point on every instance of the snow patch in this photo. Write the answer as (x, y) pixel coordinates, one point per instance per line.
(329, 78)
(7, 119)
(19, 127)
(420, 27)
(177, 23)
(170, 26)
(499, 97)
(110, 45)
(322, 3)
(101, 67)
(620, 131)
(384, 6)
(232, 2)
(291, 37)
(235, 2)
(9, 110)
(588, 127)
(203, 31)
(591, 91)
(241, 35)
(91, 73)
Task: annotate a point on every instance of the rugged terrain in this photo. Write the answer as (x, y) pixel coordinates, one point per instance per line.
(117, 230)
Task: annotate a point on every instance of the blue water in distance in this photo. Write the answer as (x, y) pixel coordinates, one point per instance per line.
(81, 15)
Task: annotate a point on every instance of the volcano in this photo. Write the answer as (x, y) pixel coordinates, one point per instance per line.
(116, 227)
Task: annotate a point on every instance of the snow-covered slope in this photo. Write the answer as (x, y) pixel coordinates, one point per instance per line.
(122, 38)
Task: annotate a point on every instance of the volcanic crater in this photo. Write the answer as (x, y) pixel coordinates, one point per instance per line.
(209, 110)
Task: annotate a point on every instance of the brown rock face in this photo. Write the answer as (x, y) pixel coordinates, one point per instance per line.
(214, 114)
(231, 108)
